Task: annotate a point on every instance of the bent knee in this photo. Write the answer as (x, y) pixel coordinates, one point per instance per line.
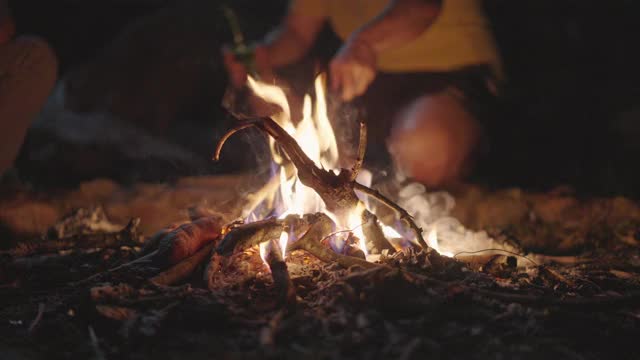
(34, 55)
(433, 139)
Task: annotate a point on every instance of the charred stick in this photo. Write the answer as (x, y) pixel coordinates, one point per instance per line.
(99, 354)
(247, 235)
(373, 233)
(335, 190)
(36, 321)
(311, 243)
(146, 259)
(587, 303)
(362, 148)
(230, 133)
(184, 268)
(128, 236)
(404, 215)
(281, 279)
(257, 197)
(185, 240)
(321, 225)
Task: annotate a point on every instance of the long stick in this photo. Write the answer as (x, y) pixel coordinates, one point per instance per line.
(183, 269)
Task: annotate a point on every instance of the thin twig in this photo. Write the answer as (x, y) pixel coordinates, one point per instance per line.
(95, 345)
(341, 232)
(630, 299)
(334, 191)
(230, 133)
(404, 215)
(36, 321)
(362, 148)
(496, 249)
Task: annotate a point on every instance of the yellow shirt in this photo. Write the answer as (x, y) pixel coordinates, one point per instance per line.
(459, 37)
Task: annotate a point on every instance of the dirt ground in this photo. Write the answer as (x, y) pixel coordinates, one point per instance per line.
(580, 300)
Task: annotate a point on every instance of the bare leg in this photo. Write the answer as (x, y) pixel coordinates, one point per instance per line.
(433, 139)
(27, 74)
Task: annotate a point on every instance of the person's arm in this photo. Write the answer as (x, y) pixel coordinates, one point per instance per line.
(354, 67)
(293, 39)
(399, 23)
(285, 45)
(7, 27)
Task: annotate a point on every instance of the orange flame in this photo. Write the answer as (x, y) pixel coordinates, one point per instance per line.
(317, 139)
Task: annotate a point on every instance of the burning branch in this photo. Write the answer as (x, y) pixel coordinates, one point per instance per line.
(247, 235)
(244, 125)
(374, 234)
(281, 279)
(337, 191)
(362, 149)
(404, 215)
(311, 242)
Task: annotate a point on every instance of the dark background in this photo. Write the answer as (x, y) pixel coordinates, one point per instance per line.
(570, 113)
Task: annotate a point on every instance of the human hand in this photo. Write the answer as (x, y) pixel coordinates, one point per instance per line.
(237, 69)
(353, 69)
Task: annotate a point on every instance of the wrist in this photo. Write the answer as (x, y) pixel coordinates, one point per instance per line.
(361, 45)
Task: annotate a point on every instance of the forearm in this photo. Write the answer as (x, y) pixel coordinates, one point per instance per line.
(293, 39)
(401, 22)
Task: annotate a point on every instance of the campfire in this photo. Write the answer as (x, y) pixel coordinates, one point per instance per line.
(317, 252)
(312, 204)
(309, 181)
